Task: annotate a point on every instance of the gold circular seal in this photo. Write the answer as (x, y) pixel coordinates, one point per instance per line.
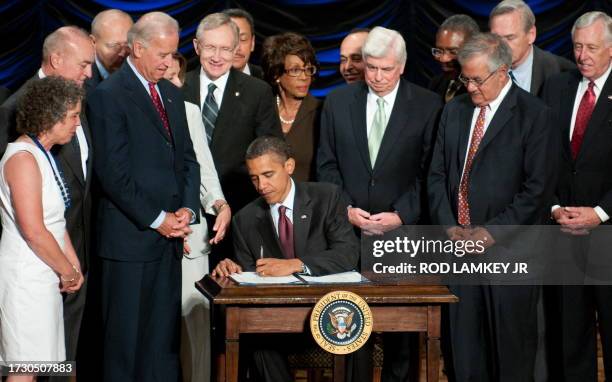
(341, 322)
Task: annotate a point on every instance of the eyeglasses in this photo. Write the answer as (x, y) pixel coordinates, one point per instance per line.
(476, 81)
(437, 52)
(223, 51)
(309, 71)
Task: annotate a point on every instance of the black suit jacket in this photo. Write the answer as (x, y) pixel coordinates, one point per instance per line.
(545, 64)
(256, 71)
(95, 79)
(512, 176)
(439, 85)
(323, 237)
(247, 112)
(140, 169)
(78, 216)
(585, 181)
(396, 181)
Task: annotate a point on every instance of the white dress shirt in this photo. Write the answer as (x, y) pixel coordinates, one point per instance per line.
(371, 106)
(220, 82)
(522, 73)
(246, 69)
(288, 203)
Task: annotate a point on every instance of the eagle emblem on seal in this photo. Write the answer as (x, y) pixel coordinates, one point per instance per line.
(342, 322)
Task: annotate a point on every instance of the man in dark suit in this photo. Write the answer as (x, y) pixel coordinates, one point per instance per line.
(492, 165)
(514, 21)
(68, 53)
(109, 33)
(150, 186)
(238, 109)
(300, 227)
(451, 35)
(246, 45)
(581, 101)
(375, 144)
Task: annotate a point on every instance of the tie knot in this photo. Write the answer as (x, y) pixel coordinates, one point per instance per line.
(211, 87)
(483, 110)
(591, 85)
(282, 209)
(380, 101)
(151, 86)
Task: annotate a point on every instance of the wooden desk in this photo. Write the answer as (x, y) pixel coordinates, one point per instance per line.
(287, 308)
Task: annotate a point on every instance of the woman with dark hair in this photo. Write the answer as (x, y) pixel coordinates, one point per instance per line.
(289, 64)
(37, 260)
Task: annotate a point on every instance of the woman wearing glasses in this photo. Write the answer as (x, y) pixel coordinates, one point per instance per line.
(289, 64)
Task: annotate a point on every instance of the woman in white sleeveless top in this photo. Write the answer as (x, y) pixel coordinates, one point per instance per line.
(37, 260)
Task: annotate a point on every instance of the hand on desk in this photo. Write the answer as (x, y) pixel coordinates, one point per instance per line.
(225, 268)
(278, 267)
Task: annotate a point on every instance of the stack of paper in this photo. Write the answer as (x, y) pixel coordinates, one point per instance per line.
(254, 278)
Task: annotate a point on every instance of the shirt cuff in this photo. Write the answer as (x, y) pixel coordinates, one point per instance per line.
(193, 215)
(305, 271)
(160, 219)
(603, 216)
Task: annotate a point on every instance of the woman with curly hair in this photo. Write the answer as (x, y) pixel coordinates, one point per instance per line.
(289, 64)
(37, 260)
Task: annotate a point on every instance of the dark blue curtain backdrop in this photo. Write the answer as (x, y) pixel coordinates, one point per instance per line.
(25, 23)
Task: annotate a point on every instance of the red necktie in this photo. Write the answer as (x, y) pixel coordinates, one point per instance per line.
(585, 110)
(160, 108)
(285, 233)
(463, 205)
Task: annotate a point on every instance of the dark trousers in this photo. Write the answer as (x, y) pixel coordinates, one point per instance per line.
(141, 305)
(400, 359)
(493, 333)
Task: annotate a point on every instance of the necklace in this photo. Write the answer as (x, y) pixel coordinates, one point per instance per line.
(59, 176)
(287, 122)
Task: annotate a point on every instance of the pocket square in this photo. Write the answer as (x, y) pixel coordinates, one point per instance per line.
(303, 217)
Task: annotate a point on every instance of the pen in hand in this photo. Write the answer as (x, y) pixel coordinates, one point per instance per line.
(261, 252)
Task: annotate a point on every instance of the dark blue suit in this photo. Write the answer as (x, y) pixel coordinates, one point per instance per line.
(141, 171)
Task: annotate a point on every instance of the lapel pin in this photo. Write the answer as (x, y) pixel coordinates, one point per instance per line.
(303, 217)
(169, 100)
(237, 94)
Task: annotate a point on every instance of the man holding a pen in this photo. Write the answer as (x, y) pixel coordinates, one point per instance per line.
(294, 227)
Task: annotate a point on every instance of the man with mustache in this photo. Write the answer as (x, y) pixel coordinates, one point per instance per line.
(351, 59)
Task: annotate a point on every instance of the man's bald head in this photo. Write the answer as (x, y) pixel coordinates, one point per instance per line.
(109, 31)
(68, 52)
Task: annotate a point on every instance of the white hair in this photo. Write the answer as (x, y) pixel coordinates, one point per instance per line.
(150, 25)
(381, 41)
(509, 6)
(216, 20)
(591, 17)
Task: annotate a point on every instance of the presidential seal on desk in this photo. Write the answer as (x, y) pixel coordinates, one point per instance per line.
(341, 322)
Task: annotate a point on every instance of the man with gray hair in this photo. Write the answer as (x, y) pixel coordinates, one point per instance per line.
(581, 101)
(236, 108)
(514, 21)
(451, 35)
(109, 31)
(376, 137)
(67, 53)
(149, 180)
(496, 131)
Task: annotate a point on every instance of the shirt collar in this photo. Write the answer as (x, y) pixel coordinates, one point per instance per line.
(601, 81)
(246, 69)
(389, 98)
(289, 200)
(144, 82)
(103, 72)
(494, 105)
(219, 82)
(41, 74)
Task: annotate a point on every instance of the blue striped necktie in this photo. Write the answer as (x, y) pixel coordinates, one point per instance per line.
(209, 112)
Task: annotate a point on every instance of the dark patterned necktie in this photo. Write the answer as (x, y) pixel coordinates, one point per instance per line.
(210, 109)
(463, 206)
(160, 108)
(285, 233)
(583, 116)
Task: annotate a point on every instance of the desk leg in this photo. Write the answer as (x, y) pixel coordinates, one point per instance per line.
(232, 343)
(339, 368)
(433, 343)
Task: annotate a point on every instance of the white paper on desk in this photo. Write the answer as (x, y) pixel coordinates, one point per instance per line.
(336, 278)
(254, 278)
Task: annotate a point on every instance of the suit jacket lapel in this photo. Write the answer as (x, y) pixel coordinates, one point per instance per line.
(501, 117)
(142, 99)
(359, 124)
(172, 112)
(229, 105)
(467, 112)
(403, 109)
(538, 71)
(72, 158)
(302, 214)
(600, 113)
(567, 107)
(266, 230)
(191, 89)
